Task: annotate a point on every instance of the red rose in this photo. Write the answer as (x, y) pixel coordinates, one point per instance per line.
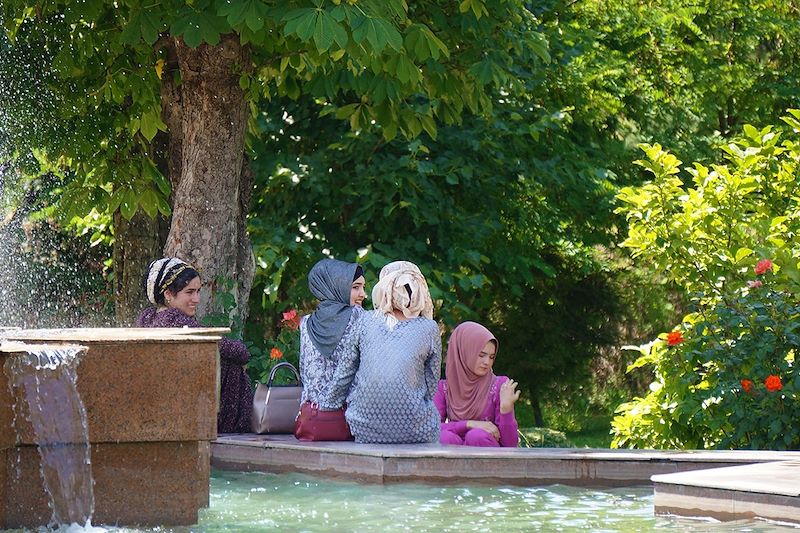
(747, 385)
(275, 353)
(290, 319)
(674, 337)
(763, 266)
(773, 383)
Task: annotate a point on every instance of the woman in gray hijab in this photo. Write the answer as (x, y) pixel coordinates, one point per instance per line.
(330, 331)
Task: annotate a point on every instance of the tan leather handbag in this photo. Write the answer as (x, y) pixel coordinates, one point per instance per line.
(275, 407)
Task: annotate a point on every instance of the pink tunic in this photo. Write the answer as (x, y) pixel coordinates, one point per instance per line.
(505, 422)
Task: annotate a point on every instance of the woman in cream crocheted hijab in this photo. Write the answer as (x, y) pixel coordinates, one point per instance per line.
(402, 292)
(398, 363)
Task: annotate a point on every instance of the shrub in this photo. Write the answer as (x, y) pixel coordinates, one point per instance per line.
(535, 437)
(730, 382)
(726, 376)
(284, 347)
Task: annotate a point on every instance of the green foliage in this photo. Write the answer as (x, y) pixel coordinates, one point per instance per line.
(225, 302)
(284, 347)
(84, 78)
(710, 390)
(533, 437)
(596, 433)
(687, 74)
(484, 139)
(707, 238)
(75, 101)
(481, 209)
(49, 278)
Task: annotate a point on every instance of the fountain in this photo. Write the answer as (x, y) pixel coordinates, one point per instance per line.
(111, 424)
(45, 380)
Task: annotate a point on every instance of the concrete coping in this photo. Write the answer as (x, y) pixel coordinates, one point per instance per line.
(24, 347)
(106, 335)
(288, 442)
(773, 478)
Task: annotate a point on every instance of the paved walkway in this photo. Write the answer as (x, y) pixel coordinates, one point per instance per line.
(722, 484)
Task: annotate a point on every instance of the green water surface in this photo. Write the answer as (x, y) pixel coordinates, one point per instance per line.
(291, 502)
(252, 502)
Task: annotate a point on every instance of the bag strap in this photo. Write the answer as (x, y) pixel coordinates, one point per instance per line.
(284, 364)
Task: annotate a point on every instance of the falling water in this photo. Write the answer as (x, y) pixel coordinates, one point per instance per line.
(49, 275)
(44, 385)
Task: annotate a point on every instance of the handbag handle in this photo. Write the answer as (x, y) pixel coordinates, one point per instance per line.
(284, 364)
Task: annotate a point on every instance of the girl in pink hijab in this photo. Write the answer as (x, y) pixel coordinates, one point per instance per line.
(476, 407)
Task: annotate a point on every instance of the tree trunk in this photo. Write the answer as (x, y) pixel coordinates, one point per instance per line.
(169, 153)
(136, 243)
(142, 239)
(210, 203)
(244, 257)
(538, 419)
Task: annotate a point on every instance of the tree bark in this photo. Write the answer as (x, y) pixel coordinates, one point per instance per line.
(136, 243)
(169, 155)
(245, 259)
(210, 202)
(538, 419)
(141, 240)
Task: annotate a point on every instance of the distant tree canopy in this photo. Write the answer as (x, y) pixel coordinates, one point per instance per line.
(510, 215)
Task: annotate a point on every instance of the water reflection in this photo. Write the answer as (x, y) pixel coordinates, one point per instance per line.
(249, 501)
(296, 503)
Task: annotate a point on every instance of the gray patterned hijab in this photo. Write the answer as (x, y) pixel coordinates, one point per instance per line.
(330, 282)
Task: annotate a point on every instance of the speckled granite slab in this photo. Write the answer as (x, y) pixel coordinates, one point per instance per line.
(151, 399)
(770, 490)
(456, 464)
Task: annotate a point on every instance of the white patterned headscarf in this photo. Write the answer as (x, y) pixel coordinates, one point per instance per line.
(161, 273)
(402, 286)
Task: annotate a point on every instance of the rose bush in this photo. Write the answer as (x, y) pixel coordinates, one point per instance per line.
(731, 383)
(726, 376)
(284, 347)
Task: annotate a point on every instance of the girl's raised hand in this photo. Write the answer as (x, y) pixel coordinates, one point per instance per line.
(508, 396)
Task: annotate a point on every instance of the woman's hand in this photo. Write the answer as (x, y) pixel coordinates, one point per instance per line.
(508, 396)
(485, 425)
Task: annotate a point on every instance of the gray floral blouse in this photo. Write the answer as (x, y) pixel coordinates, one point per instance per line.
(316, 370)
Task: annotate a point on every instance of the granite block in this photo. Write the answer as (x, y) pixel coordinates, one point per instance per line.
(151, 399)
(28, 507)
(4, 453)
(145, 391)
(144, 484)
(149, 484)
(724, 505)
(8, 438)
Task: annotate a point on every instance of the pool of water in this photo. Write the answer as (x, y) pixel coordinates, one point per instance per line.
(297, 503)
(291, 502)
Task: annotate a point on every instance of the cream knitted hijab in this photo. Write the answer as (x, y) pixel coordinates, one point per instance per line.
(402, 286)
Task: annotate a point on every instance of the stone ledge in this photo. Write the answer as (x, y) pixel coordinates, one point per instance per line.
(456, 464)
(770, 490)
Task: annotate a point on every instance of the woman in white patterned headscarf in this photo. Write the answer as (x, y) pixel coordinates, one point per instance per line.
(173, 287)
(396, 370)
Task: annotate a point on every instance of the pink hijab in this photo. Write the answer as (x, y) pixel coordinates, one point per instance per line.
(467, 392)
